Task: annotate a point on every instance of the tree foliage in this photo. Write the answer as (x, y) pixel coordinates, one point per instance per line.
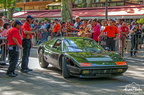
(10, 6)
(84, 3)
(66, 11)
(140, 20)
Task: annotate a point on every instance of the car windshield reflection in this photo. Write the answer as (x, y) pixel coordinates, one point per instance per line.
(81, 45)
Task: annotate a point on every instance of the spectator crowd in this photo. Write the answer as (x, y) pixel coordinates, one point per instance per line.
(111, 34)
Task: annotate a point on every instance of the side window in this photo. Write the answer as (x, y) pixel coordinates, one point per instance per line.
(58, 45)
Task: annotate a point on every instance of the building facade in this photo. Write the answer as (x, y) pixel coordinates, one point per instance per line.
(56, 4)
(24, 5)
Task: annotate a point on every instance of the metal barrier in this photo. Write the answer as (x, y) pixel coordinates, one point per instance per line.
(132, 44)
(71, 34)
(3, 53)
(137, 43)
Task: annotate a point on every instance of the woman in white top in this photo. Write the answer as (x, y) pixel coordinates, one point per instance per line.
(89, 27)
(103, 38)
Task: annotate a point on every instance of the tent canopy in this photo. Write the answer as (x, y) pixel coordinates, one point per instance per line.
(134, 11)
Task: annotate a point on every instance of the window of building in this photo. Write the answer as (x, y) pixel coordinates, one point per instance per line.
(35, 0)
(47, 0)
(27, 0)
(57, 0)
(53, 7)
(96, 1)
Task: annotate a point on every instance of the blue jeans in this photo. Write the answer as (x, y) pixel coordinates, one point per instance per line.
(45, 36)
(26, 44)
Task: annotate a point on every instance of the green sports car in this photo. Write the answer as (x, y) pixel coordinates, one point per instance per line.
(81, 57)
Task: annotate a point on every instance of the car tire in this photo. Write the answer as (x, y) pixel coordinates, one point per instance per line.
(42, 61)
(65, 72)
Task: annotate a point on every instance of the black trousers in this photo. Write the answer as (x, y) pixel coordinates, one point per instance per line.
(110, 43)
(134, 46)
(26, 44)
(13, 58)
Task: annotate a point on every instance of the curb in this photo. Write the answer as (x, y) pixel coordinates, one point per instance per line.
(35, 47)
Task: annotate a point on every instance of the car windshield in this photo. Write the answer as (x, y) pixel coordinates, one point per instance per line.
(81, 45)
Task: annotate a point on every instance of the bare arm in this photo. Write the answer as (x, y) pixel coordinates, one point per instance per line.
(28, 32)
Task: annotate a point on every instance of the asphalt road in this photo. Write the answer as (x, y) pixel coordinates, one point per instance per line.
(50, 81)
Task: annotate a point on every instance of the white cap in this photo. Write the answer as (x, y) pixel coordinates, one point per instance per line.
(77, 17)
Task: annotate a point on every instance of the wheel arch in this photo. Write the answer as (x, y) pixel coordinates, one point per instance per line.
(71, 61)
(39, 48)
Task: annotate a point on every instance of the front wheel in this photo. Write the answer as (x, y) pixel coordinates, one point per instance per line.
(65, 72)
(42, 61)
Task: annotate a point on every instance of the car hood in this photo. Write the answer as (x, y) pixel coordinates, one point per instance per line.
(105, 58)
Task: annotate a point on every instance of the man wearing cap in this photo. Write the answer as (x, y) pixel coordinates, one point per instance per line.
(26, 43)
(15, 43)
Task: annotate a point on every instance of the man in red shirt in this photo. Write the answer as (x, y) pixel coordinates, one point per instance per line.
(15, 43)
(112, 35)
(26, 43)
(56, 29)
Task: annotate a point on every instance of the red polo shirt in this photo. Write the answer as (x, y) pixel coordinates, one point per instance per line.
(124, 29)
(14, 32)
(26, 27)
(111, 31)
(56, 27)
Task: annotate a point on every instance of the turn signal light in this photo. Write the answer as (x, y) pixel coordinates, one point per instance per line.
(85, 64)
(121, 63)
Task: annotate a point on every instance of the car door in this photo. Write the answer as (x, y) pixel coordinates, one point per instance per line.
(56, 50)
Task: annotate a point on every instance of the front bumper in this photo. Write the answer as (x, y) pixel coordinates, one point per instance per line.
(96, 72)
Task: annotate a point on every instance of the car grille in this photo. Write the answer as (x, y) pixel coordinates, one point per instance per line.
(94, 72)
(107, 71)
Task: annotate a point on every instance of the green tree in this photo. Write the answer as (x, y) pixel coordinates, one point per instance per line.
(84, 4)
(10, 6)
(140, 21)
(66, 11)
(89, 3)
